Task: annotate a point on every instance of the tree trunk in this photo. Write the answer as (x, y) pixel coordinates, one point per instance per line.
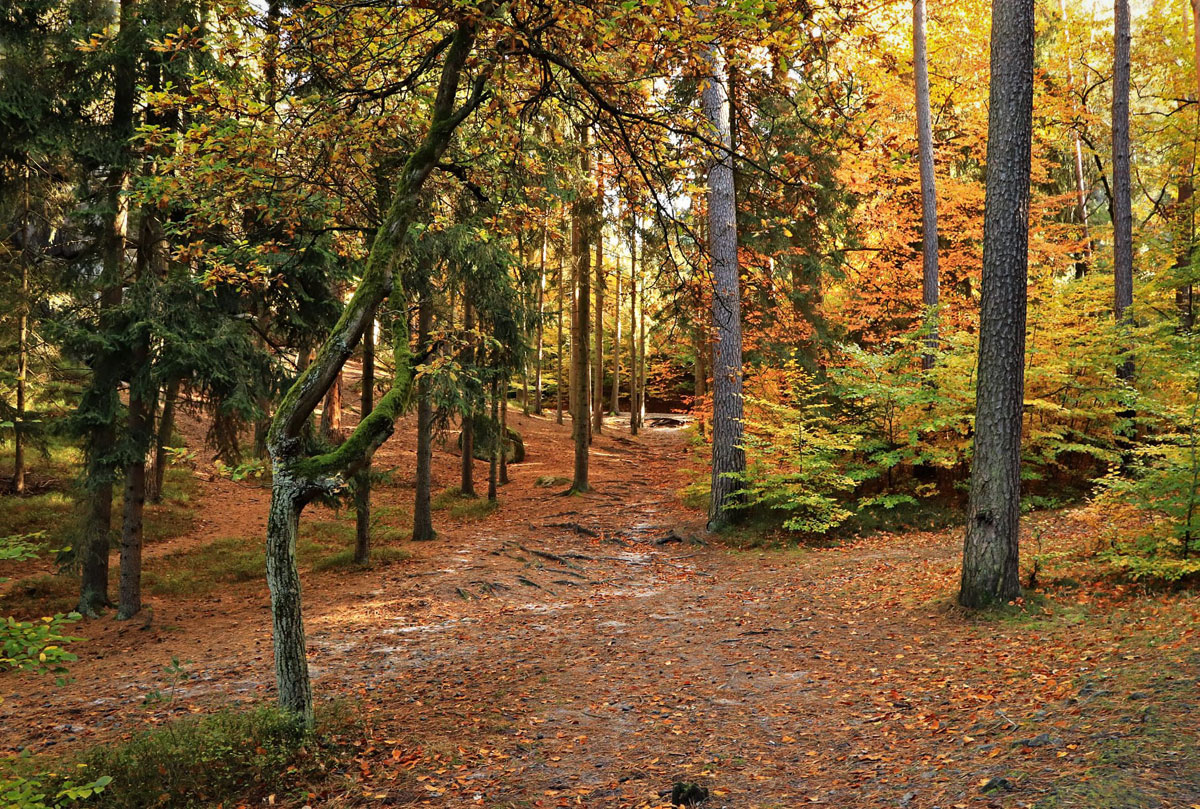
(728, 457)
(641, 385)
(362, 481)
(166, 427)
(504, 433)
(990, 552)
(615, 399)
(1081, 193)
(140, 429)
(283, 579)
(101, 398)
(581, 232)
(598, 367)
(1122, 204)
(495, 445)
(467, 486)
(297, 477)
(423, 506)
(633, 309)
(331, 411)
(558, 378)
(929, 226)
(22, 364)
(541, 331)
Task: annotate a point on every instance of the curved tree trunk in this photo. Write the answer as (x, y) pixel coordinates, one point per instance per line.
(728, 457)
(990, 552)
(298, 477)
(929, 226)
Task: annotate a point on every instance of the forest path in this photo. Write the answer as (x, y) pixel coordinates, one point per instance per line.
(554, 653)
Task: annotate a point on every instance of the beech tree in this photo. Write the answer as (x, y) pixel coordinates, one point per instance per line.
(990, 553)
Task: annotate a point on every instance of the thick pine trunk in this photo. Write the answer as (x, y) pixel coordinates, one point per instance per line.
(990, 554)
(101, 398)
(728, 457)
(423, 506)
(929, 226)
(581, 231)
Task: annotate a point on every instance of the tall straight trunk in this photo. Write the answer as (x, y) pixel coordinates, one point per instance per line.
(496, 444)
(598, 367)
(143, 395)
(990, 552)
(504, 434)
(299, 476)
(423, 505)
(1184, 296)
(641, 385)
(541, 330)
(728, 457)
(558, 377)
(615, 399)
(633, 352)
(929, 226)
(166, 428)
(581, 233)
(1122, 199)
(467, 486)
(1184, 249)
(101, 397)
(141, 415)
(1081, 192)
(22, 363)
(362, 480)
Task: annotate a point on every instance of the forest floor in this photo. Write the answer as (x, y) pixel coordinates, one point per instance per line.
(593, 650)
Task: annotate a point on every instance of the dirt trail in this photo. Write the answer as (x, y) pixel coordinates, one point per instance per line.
(569, 651)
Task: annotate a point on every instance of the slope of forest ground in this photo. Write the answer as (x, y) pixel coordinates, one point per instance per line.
(594, 650)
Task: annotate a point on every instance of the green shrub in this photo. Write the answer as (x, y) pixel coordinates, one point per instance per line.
(228, 758)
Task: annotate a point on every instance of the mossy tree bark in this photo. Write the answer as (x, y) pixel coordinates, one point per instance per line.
(990, 552)
(299, 477)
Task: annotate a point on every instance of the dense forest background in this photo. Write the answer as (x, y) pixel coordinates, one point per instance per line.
(832, 238)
